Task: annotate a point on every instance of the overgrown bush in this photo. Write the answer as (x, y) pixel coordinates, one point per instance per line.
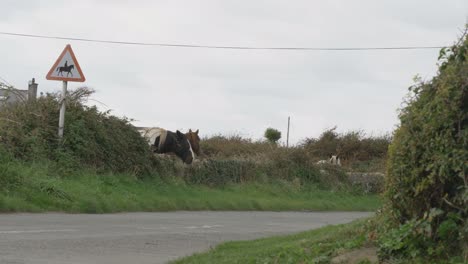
(28, 130)
(353, 147)
(233, 146)
(219, 172)
(358, 151)
(297, 163)
(427, 170)
(272, 135)
(288, 165)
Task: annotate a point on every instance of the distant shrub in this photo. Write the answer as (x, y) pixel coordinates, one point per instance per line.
(352, 147)
(272, 135)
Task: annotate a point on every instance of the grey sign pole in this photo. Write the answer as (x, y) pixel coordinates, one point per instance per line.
(287, 137)
(62, 110)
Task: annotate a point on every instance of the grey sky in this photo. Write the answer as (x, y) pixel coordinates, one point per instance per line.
(237, 91)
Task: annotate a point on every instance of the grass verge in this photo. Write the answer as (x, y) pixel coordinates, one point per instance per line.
(316, 246)
(39, 187)
(348, 243)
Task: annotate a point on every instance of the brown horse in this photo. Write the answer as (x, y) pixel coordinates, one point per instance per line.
(194, 140)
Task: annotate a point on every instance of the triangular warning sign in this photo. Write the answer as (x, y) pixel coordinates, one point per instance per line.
(66, 68)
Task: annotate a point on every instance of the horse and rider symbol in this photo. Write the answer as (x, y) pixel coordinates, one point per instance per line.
(65, 68)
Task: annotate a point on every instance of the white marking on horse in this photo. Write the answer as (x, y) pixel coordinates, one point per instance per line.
(191, 151)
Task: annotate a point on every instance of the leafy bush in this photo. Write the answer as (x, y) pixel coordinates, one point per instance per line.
(427, 167)
(92, 138)
(272, 135)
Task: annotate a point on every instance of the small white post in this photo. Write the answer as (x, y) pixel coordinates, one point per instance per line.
(62, 110)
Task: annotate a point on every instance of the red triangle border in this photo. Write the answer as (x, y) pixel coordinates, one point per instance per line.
(77, 65)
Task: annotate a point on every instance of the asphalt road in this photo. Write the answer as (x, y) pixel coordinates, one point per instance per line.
(56, 238)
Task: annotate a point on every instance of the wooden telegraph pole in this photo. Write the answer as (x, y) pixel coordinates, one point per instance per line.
(65, 69)
(287, 136)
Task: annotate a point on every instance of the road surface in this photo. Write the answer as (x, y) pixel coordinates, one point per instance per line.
(56, 238)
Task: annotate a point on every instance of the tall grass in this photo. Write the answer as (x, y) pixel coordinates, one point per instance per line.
(37, 187)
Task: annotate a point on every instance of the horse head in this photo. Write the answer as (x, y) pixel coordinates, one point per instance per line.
(194, 140)
(182, 147)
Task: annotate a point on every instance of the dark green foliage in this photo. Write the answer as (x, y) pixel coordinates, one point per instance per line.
(427, 167)
(272, 135)
(92, 138)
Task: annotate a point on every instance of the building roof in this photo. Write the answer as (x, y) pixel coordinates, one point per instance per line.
(12, 95)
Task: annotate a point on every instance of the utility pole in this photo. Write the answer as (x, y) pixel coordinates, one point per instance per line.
(287, 136)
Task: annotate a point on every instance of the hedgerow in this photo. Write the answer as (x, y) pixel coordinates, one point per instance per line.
(94, 139)
(427, 180)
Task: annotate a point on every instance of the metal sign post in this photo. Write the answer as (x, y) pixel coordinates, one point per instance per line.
(65, 69)
(62, 110)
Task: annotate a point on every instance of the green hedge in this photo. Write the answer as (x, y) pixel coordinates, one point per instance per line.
(427, 168)
(93, 139)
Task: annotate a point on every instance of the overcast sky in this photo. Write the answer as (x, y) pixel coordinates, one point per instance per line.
(236, 91)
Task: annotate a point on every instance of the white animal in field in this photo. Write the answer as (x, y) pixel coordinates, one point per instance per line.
(334, 160)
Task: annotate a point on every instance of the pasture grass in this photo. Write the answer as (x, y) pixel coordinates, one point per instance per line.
(39, 187)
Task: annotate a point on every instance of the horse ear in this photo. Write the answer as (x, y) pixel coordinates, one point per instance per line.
(196, 132)
(179, 134)
(190, 130)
